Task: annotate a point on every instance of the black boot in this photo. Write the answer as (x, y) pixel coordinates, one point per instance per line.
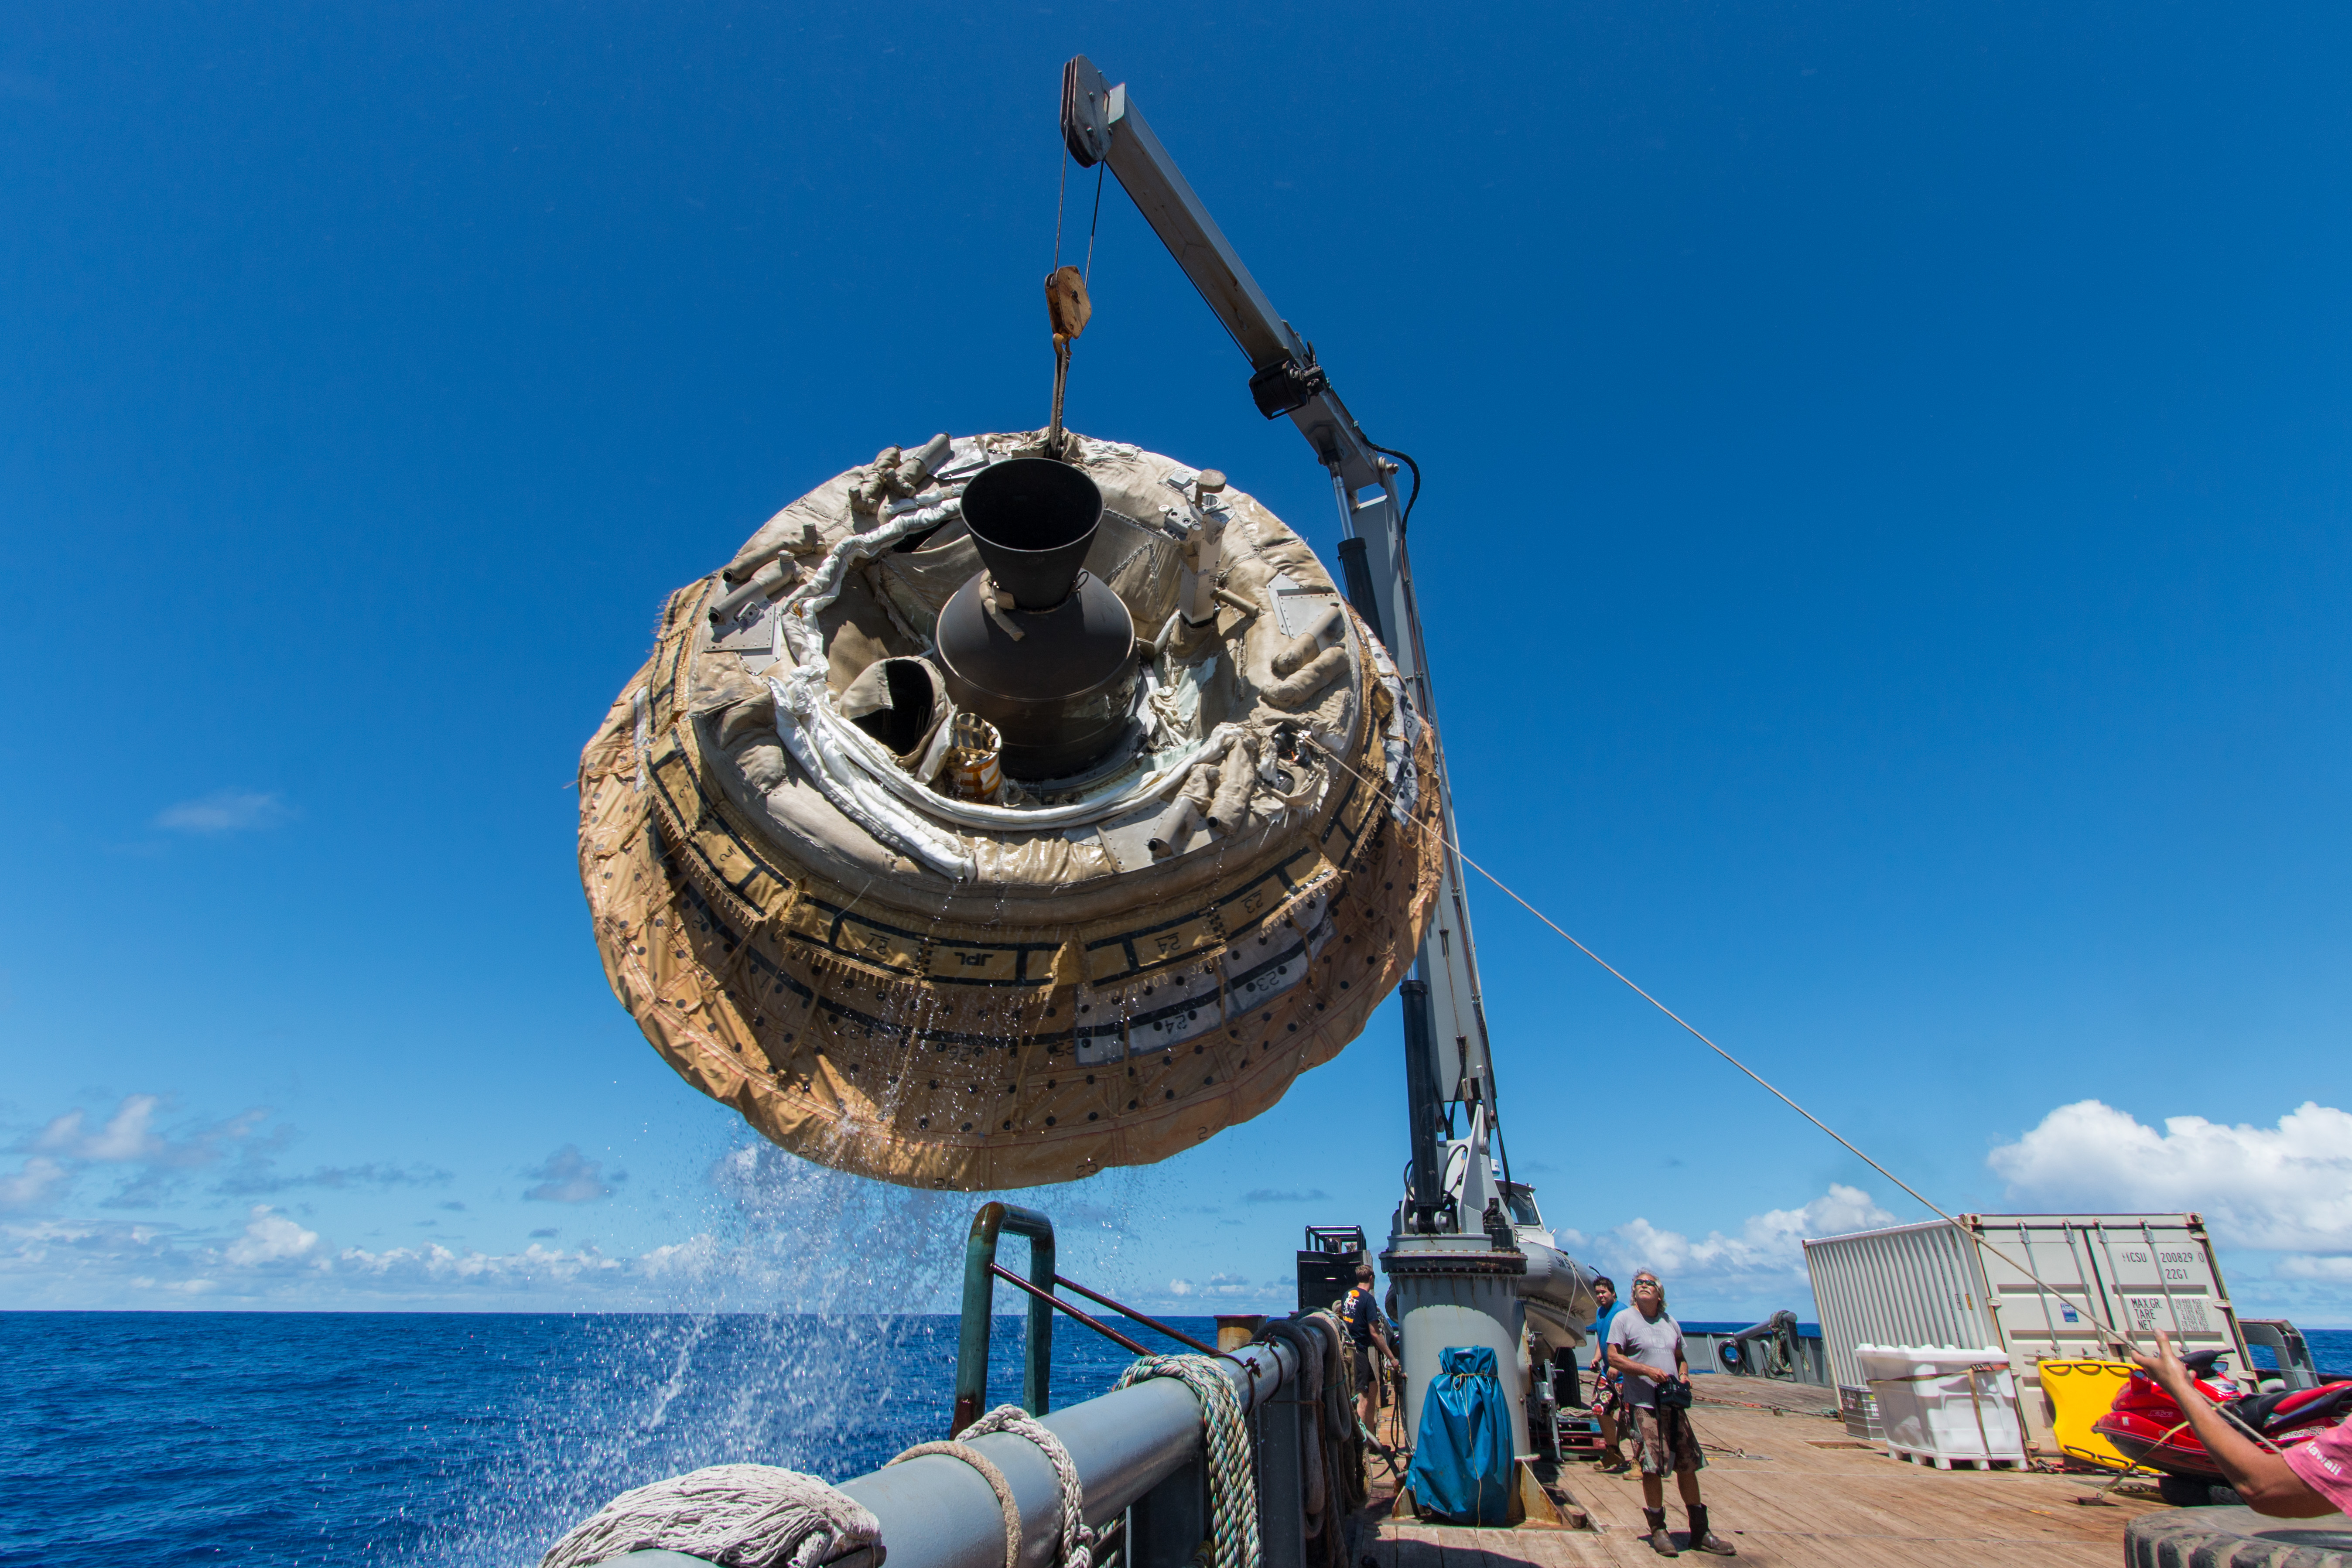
(1660, 1541)
(1702, 1539)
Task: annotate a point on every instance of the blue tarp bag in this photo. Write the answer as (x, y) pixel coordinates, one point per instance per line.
(1461, 1469)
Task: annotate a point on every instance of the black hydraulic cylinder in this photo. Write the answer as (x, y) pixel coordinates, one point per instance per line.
(1358, 573)
(1420, 1087)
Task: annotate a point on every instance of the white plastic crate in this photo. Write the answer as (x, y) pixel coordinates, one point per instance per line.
(1944, 1406)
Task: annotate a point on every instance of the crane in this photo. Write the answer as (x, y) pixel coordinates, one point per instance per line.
(1464, 1235)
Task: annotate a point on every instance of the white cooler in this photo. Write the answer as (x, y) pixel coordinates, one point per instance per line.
(1944, 1406)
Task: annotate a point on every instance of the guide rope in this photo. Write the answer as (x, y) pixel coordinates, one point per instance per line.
(1433, 830)
(1233, 1488)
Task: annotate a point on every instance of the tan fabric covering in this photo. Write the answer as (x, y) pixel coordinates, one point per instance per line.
(1079, 1004)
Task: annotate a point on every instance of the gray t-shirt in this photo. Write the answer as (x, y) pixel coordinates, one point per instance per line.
(1654, 1341)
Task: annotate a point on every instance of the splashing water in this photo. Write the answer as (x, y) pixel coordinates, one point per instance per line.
(836, 1384)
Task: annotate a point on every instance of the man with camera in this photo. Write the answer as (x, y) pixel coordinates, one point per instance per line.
(1644, 1348)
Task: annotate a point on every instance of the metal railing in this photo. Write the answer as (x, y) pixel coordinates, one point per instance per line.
(979, 1276)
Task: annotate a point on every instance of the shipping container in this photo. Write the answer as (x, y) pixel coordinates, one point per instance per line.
(1939, 1284)
(1907, 1285)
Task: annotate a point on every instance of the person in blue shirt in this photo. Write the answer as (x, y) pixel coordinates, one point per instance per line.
(1608, 1399)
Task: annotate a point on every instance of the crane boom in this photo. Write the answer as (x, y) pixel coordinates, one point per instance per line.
(1448, 1059)
(1101, 122)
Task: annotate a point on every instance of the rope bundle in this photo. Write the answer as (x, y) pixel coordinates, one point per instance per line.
(1233, 1488)
(740, 1516)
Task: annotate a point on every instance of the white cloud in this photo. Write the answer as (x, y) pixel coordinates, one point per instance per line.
(257, 1175)
(270, 1237)
(413, 1269)
(568, 1176)
(154, 1163)
(130, 1136)
(30, 1186)
(1216, 1286)
(61, 1134)
(1763, 1261)
(274, 1260)
(2286, 1188)
(127, 1135)
(224, 811)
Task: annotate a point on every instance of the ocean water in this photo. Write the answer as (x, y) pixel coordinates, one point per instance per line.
(459, 1440)
(2330, 1348)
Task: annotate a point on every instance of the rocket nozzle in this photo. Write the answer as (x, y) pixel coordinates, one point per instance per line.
(1031, 519)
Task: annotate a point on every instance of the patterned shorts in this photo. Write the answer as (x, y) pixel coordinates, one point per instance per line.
(1608, 1399)
(1664, 1441)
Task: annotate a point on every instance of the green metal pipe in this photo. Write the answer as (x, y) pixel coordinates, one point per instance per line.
(979, 1307)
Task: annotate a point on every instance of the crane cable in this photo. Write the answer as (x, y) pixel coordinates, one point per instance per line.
(1060, 191)
(1086, 273)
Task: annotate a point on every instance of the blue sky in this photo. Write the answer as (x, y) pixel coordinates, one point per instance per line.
(1884, 556)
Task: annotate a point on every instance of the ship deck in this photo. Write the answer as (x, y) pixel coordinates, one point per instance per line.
(1788, 1487)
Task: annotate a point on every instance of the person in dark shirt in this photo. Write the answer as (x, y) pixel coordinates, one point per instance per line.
(1367, 1332)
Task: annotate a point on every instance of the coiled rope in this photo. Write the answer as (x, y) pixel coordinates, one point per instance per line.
(1350, 1479)
(741, 1516)
(988, 1473)
(1333, 1461)
(1075, 1547)
(1233, 1488)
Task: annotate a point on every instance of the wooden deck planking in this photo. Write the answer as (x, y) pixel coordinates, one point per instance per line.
(1791, 1505)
